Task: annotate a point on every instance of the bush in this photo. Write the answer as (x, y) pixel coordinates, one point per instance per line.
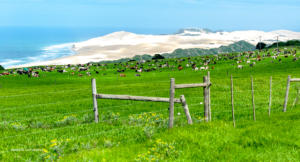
(260, 45)
(1, 68)
(157, 56)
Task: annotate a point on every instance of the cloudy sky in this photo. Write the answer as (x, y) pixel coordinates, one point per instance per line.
(168, 14)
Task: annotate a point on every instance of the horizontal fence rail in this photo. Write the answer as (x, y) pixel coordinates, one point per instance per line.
(295, 80)
(136, 98)
(179, 86)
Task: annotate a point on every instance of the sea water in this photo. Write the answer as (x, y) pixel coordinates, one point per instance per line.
(21, 45)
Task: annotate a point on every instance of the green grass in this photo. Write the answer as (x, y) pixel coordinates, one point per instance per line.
(51, 117)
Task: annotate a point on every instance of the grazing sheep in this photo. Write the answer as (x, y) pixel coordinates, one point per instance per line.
(180, 67)
(295, 59)
(83, 69)
(119, 71)
(122, 75)
(248, 62)
(240, 66)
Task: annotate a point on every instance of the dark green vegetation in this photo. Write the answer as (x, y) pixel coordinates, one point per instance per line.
(260, 45)
(51, 117)
(283, 44)
(1, 68)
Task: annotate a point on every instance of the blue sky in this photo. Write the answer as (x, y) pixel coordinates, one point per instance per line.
(228, 15)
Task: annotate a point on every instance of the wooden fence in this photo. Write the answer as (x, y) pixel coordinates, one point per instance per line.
(206, 93)
(289, 80)
(172, 100)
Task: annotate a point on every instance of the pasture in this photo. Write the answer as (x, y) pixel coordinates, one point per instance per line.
(51, 117)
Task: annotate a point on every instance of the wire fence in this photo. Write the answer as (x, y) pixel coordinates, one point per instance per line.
(221, 109)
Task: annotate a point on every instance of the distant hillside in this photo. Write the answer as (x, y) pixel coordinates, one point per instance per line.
(235, 47)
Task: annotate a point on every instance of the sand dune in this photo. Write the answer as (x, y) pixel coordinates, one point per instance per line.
(124, 44)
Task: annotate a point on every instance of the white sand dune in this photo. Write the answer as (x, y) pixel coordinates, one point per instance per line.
(124, 44)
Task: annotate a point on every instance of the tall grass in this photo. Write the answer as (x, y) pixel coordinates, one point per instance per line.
(51, 117)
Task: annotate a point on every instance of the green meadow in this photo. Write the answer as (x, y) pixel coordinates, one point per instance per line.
(51, 118)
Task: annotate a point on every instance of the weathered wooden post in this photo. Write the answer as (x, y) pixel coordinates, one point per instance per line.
(209, 105)
(253, 104)
(232, 102)
(94, 91)
(270, 98)
(171, 100)
(206, 99)
(186, 109)
(297, 97)
(287, 93)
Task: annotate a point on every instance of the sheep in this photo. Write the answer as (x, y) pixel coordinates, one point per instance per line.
(122, 75)
(248, 62)
(83, 69)
(240, 66)
(180, 67)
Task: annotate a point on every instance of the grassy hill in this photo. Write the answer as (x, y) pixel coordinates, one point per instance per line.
(51, 117)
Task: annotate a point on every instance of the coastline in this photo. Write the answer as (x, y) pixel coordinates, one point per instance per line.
(123, 44)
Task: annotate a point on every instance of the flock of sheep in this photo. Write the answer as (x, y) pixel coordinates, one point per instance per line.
(194, 63)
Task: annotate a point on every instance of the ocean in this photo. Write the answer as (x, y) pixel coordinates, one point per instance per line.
(21, 45)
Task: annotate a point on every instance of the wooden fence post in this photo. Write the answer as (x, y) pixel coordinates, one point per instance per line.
(209, 105)
(171, 107)
(253, 104)
(206, 99)
(297, 97)
(232, 102)
(270, 98)
(94, 91)
(186, 109)
(287, 93)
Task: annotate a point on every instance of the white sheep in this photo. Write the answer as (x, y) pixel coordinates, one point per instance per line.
(139, 70)
(202, 68)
